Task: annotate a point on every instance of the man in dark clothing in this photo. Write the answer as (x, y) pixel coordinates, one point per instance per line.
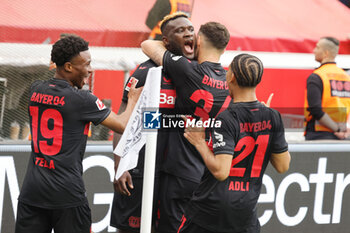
(53, 194)
(327, 100)
(126, 209)
(250, 136)
(202, 92)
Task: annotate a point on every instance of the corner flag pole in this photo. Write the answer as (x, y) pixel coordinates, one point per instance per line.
(148, 183)
(150, 161)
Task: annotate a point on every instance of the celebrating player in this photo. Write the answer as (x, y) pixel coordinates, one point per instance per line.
(53, 194)
(126, 210)
(250, 136)
(202, 92)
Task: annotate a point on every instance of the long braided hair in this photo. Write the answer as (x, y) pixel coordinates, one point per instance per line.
(247, 69)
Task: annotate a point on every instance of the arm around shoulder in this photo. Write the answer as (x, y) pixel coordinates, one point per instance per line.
(154, 50)
(280, 161)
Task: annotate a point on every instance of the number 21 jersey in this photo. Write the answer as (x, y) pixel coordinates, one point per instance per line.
(250, 132)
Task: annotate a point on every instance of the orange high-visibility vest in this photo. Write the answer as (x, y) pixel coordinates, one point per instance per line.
(176, 5)
(335, 97)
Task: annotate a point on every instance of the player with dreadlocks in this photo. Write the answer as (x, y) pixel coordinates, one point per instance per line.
(53, 194)
(201, 92)
(126, 209)
(251, 135)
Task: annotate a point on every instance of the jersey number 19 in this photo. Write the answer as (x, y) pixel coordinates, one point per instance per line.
(54, 134)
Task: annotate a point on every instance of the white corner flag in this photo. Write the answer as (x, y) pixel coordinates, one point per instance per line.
(134, 137)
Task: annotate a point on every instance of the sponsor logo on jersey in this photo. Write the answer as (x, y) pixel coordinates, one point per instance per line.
(128, 85)
(167, 98)
(100, 105)
(166, 80)
(151, 119)
(220, 140)
(340, 88)
(142, 67)
(176, 58)
(218, 136)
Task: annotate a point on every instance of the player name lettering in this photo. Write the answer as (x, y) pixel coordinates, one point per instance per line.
(255, 126)
(239, 186)
(41, 162)
(47, 99)
(218, 84)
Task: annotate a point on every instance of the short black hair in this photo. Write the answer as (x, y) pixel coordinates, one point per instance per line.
(335, 41)
(247, 70)
(66, 48)
(169, 18)
(216, 33)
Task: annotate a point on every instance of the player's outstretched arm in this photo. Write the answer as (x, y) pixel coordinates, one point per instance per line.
(117, 123)
(280, 161)
(154, 50)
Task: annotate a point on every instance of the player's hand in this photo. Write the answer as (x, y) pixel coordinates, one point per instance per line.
(134, 93)
(121, 185)
(268, 102)
(195, 135)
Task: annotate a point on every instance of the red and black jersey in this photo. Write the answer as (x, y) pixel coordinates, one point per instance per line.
(250, 132)
(60, 116)
(166, 106)
(202, 92)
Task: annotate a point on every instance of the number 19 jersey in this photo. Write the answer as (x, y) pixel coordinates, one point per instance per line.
(60, 116)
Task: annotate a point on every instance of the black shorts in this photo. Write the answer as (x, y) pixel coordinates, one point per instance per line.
(187, 226)
(40, 220)
(175, 193)
(126, 210)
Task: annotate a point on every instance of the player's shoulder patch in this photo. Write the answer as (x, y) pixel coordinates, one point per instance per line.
(218, 136)
(219, 140)
(100, 105)
(175, 58)
(128, 85)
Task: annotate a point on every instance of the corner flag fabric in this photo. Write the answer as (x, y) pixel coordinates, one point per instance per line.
(133, 137)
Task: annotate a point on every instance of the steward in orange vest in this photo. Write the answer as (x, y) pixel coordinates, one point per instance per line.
(327, 100)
